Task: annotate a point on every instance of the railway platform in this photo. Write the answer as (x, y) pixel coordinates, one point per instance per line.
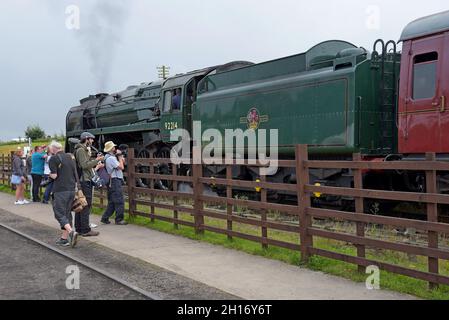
(232, 272)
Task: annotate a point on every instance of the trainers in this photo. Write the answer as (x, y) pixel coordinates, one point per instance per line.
(91, 233)
(63, 242)
(19, 203)
(26, 202)
(93, 226)
(105, 222)
(73, 239)
(121, 223)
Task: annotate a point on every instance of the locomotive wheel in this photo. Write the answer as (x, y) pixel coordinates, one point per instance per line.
(163, 153)
(143, 154)
(164, 168)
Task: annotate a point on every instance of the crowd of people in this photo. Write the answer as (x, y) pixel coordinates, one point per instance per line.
(63, 174)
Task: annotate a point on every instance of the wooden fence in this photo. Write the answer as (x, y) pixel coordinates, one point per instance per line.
(201, 210)
(5, 169)
(431, 198)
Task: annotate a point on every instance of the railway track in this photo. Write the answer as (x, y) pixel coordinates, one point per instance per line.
(145, 294)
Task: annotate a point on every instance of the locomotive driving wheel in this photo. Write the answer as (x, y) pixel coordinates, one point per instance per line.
(143, 154)
(159, 168)
(163, 168)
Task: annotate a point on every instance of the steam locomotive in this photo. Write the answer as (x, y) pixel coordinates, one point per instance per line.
(337, 98)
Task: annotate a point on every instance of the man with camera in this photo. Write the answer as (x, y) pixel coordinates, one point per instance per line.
(115, 164)
(88, 167)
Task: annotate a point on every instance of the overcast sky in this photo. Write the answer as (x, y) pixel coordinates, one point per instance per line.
(47, 65)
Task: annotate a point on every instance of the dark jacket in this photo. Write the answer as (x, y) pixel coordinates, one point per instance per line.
(83, 159)
(18, 169)
(29, 165)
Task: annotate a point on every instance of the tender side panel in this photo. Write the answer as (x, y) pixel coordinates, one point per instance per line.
(315, 113)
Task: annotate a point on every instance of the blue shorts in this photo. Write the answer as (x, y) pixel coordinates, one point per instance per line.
(17, 180)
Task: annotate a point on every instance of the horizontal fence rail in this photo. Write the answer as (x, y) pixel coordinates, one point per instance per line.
(190, 201)
(431, 198)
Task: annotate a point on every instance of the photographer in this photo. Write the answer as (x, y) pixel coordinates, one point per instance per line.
(87, 166)
(115, 164)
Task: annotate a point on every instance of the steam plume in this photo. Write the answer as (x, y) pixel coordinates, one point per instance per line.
(100, 34)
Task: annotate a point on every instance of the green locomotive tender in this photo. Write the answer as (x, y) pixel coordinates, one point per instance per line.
(328, 98)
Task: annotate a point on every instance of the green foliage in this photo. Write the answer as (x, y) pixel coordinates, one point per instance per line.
(58, 137)
(35, 132)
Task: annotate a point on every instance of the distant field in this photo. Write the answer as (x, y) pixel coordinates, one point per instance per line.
(6, 148)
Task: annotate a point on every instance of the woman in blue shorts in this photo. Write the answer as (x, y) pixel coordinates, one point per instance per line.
(18, 177)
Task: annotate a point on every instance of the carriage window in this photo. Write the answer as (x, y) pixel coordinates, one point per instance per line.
(167, 101)
(425, 76)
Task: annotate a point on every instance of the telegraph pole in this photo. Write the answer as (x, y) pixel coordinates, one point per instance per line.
(163, 72)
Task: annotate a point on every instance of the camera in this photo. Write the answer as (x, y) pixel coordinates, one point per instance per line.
(124, 150)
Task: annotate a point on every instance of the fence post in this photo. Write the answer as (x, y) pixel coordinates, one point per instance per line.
(101, 195)
(302, 179)
(131, 182)
(175, 199)
(13, 186)
(432, 216)
(152, 197)
(5, 173)
(198, 193)
(3, 169)
(359, 208)
(263, 199)
(229, 207)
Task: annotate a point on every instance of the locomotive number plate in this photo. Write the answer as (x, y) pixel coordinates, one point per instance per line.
(171, 125)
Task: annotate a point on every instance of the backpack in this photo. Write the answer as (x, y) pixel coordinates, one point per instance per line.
(104, 174)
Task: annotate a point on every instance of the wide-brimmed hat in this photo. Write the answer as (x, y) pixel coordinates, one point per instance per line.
(109, 146)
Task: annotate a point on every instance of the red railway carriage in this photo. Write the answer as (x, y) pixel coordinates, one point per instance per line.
(424, 86)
